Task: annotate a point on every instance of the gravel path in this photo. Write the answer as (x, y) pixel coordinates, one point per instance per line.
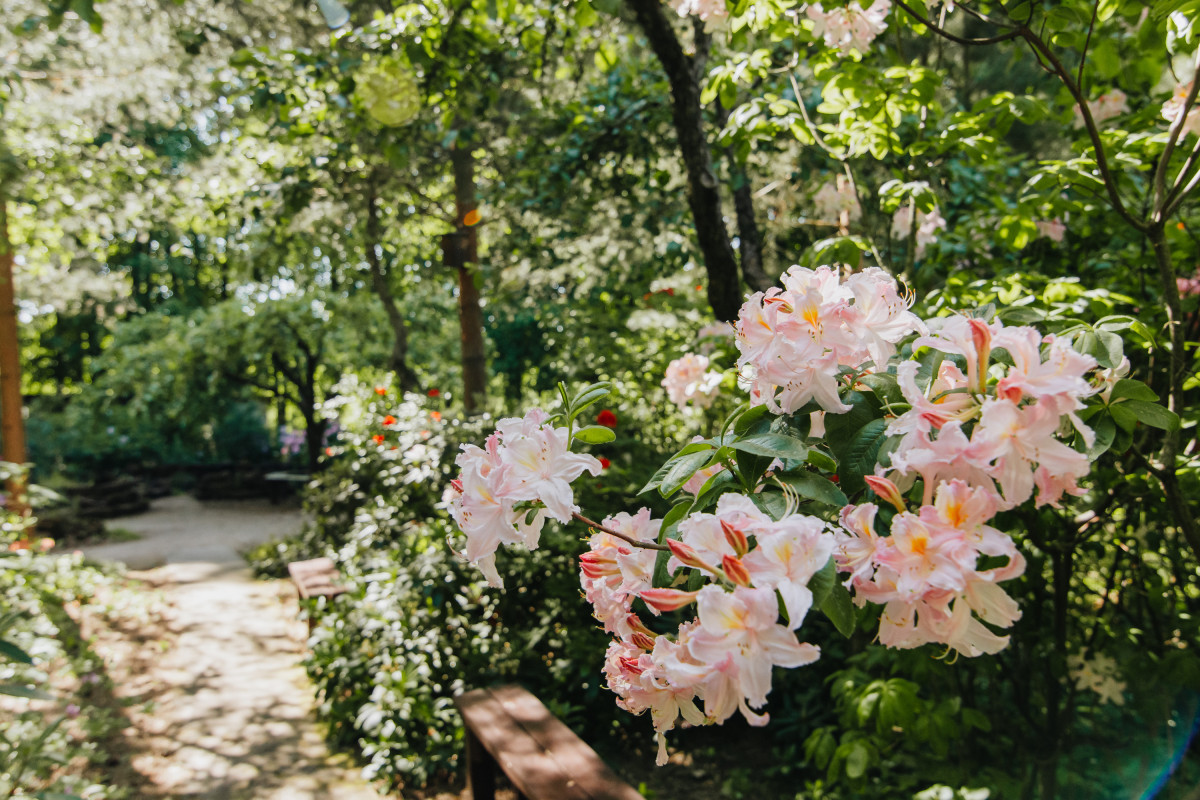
(226, 710)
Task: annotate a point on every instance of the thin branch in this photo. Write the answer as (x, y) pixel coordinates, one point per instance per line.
(945, 34)
(644, 545)
(1086, 43)
(1161, 199)
(1043, 51)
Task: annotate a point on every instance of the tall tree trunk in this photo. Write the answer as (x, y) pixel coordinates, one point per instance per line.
(461, 249)
(12, 426)
(704, 197)
(398, 360)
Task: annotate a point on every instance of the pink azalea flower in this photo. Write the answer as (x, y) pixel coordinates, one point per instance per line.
(689, 381)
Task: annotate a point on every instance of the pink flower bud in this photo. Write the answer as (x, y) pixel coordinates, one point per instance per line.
(596, 566)
(735, 570)
(686, 554)
(642, 640)
(667, 599)
(737, 540)
(981, 337)
(886, 490)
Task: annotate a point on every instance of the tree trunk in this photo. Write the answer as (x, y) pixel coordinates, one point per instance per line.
(704, 198)
(460, 249)
(398, 360)
(12, 426)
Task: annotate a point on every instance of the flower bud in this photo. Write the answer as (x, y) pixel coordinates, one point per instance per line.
(642, 640)
(735, 570)
(886, 490)
(981, 337)
(660, 600)
(596, 566)
(737, 540)
(686, 553)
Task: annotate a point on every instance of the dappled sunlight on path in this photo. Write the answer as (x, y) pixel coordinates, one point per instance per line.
(223, 709)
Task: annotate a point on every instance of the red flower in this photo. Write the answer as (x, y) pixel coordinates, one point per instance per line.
(434, 393)
(329, 451)
(377, 438)
(607, 418)
(605, 463)
(437, 416)
(389, 420)
(379, 390)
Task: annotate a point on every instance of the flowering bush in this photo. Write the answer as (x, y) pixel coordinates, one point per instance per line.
(945, 428)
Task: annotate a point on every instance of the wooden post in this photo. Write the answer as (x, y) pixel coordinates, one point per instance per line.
(481, 769)
(12, 425)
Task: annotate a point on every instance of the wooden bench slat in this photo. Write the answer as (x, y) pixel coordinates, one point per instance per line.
(542, 756)
(532, 770)
(572, 753)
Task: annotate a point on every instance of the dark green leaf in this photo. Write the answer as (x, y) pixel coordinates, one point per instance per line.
(839, 607)
(772, 445)
(14, 653)
(1150, 414)
(13, 690)
(1132, 390)
(815, 487)
(681, 471)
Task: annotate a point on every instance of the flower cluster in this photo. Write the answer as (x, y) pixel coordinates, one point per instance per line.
(796, 341)
(510, 487)
(980, 442)
(721, 660)
(1053, 229)
(835, 198)
(1175, 106)
(927, 226)
(711, 12)
(851, 28)
(1106, 106)
(689, 380)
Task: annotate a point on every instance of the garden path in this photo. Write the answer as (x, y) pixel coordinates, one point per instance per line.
(219, 705)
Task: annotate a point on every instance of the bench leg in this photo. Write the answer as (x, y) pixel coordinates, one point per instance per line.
(481, 770)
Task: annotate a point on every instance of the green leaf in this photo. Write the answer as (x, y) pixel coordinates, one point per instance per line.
(815, 487)
(681, 471)
(1132, 390)
(822, 582)
(595, 434)
(670, 523)
(772, 445)
(857, 760)
(586, 397)
(884, 386)
(14, 653)
(839, 607)
(773, 503)
(1150, 414)
(822, 460)
(1123, 415)
(13, 690)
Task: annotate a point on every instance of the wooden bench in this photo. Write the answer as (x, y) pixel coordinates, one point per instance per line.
(510, 728)
(284, 484)
(316, 577)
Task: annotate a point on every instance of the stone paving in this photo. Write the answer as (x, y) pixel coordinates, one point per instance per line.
(231, 715)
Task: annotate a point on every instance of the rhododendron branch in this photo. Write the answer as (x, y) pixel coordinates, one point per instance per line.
(1004, 37)
(1162, 200)
(603, 529)
(1087, 42)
